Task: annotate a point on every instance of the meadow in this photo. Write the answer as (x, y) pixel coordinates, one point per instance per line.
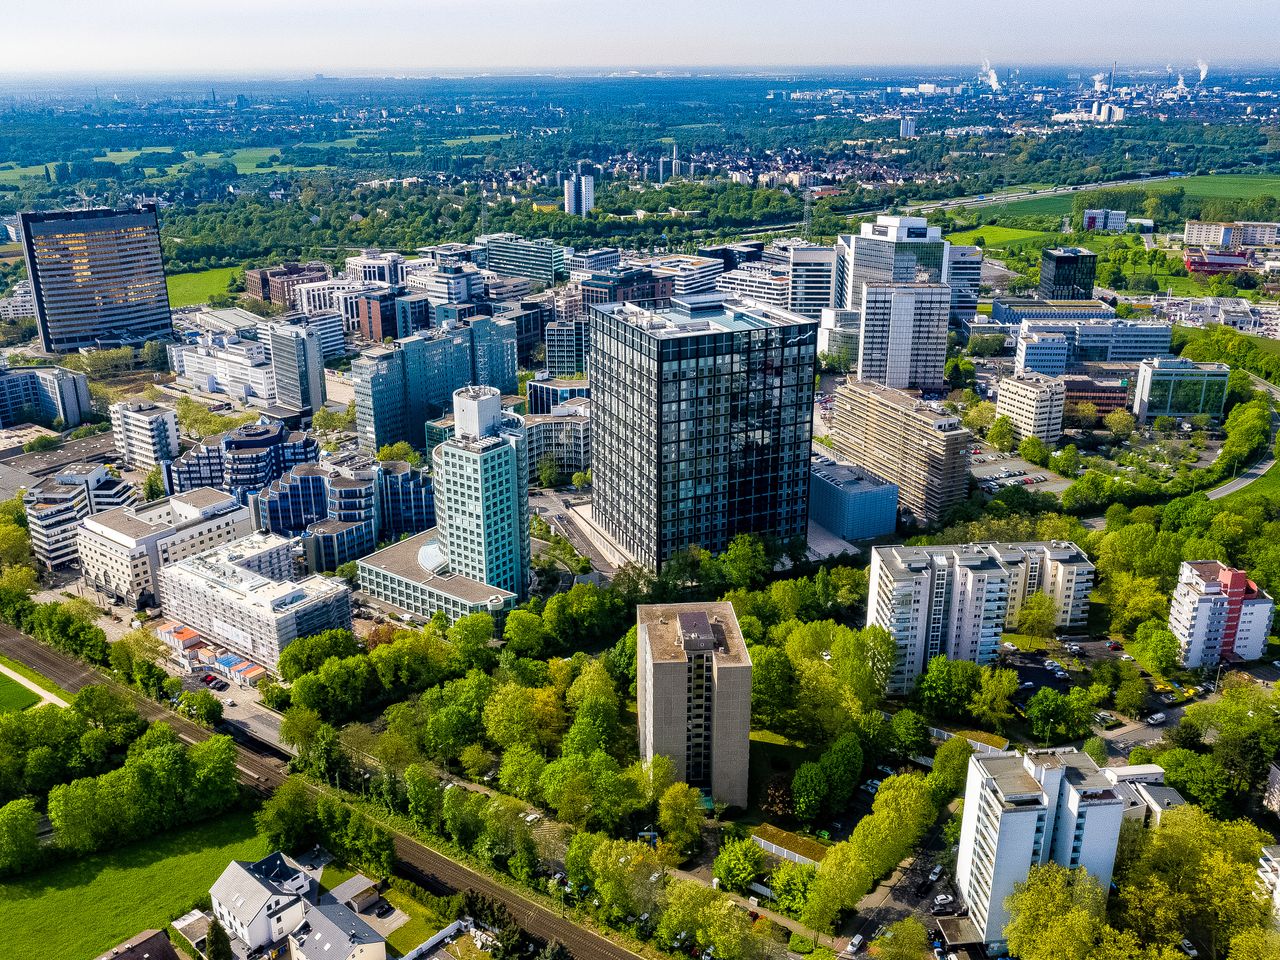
(189, 289)
(14, 696)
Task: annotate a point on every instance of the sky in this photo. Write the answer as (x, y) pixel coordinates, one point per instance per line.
(425, 37)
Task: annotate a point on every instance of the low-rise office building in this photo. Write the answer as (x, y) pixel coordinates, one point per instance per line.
(241, 369)
(562, 434)
(1035, 404)
(241, 461)
(122, 550)
(849, 502)
(1176, 387)
(45, 393)
(56, 506)
(1050, 347)
(542, 395)
(235, 595)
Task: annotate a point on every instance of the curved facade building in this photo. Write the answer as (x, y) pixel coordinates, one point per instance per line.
(97, 277)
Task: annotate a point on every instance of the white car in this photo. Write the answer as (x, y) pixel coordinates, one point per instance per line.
(1156, 719)
(1187, 947)
(1126, 657)
(943, 900)
(1010, 646)
(872, 786)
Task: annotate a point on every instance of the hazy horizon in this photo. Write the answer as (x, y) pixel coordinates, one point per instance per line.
(419, 39)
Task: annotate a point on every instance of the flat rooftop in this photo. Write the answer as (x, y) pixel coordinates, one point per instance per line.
(700, 314)
(421, 560)
(674, 628)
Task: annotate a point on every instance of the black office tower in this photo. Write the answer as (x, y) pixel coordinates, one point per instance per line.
(1067, 273)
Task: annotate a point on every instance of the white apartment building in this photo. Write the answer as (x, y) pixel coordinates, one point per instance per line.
(689, 274)
(1269, 876)
(19, 304)
(1218, 614)
(761, 282)
(958, 600)
(1231, 235)
(56, 506)
(238, 368)
(222, 595)
(1049, 806)
(260, 903)
(373, 266)
(1035, 403)
(122, 550)
(145, 433)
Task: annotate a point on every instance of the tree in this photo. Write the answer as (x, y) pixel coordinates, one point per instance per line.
(308, 654)
(286, 821)
(1038, 615)
(680, 815)
(992, 705)
(1055, 913)
(979, 417)
(739, 863)
(808, 791)
(1002, 434)
(299, 726)
(19, 839)
(947, 686)
(745, 562)
(950, 768)
(841, 765)
(1121, 423)
(202, 706)
(217, 943)
(905, 940)
(1066, 461)
(401, 450)
(548, 471)
(153, 484)
(1096, 748)
(1034, 450)
(910, 733)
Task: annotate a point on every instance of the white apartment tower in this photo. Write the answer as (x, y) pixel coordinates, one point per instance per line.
(145, 433)
(1050, 806)
(579, 194)
(1218, 613)
(1035, 403)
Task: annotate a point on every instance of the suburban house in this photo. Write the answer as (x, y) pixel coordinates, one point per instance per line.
(331, 931)
(261, 903)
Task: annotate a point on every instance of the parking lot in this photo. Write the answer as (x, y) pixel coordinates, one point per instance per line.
(995, 469)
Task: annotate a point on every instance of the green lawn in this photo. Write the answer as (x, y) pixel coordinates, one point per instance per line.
(14, 696)
(39, 679)
(1027, 644)
(188, 289)
(78, 909)
(476, 138)
(1245, 186)
(1266, 485)
(996, 236)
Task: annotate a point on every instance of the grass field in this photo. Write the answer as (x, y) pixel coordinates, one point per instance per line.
(188, 289)
(81, 908)
(476, 138)
(996, 237)
(40, 680)
(14, 696)
(1246, 186)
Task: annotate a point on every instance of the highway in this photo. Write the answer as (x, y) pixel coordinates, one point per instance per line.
(262, 768)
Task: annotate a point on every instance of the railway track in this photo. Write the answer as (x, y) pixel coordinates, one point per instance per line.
(262, 768)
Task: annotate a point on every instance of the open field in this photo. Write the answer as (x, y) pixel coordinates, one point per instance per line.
(14, 696)
(475, 138)
(187, 289)
(1246, 186)
(996, 236)
(78, 909)
(9, 174)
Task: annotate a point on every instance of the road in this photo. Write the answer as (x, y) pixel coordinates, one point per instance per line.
(262, 769)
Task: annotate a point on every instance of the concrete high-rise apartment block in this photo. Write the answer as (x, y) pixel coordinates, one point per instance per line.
(297, 364)
(907, 128)
(97, 277)
(1218, 614)
(1035, 404)
(56, 506)
(964, 276)
(902, 342)
(122, 550)
(145, 433)
(899, 438)
(1177, 387)
(958, 600)
(702, 419)
(511, 255)
(1231, 236)
(1049, 806)
(1067, 273)
(579, 194)
(693, 683)
(891, 250)
(240, 595)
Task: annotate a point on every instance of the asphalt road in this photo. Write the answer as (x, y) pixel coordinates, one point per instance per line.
(262, 768)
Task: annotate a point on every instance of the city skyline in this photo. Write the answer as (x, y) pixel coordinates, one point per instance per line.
(537, 34)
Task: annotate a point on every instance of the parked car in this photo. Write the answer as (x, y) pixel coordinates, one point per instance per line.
(1126, 657)
(1114, 645)
(943, 900)
(1187, 947)
(872, 786)
(1155, 719)
(936, 873)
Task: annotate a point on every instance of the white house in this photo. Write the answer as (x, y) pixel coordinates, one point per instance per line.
(261, 903)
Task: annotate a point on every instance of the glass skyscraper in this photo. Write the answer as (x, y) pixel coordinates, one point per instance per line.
(97, 277)
(702, 423)
(891, 250)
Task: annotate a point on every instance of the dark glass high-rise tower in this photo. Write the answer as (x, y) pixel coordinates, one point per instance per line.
(97, 277)
(1067, 273)
(702, 423)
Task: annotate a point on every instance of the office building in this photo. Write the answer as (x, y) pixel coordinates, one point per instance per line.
(376, 316)
(297, 365)
(530, 317)
(891, 250)
(372, 266)
(850, 503)
(812, 272)
(454, 253)
(902, 342)
(958, 600)
(398, 387)
(1051, 347)
(343, 507)
(511, 255)
(838, 333)
(1105, 221)
(226, 364)
(1035, 403)
(1232, 236)
(241, 461)
(964, 276)
(567, 343)
(328, 296)
(18, 304)
(329, 327)
(702, 421)
(693, 703)
(276, 284)
(897, 437)
(688, 274)
(1218, 615)
(1176, 387)
(56, 506)
(638, 285)
(238, 595)
(1049, 806)
(764, 283)
(145, 433)
(97, 277)
(579, 194)
(122, 550)
(481, 478)
(541, 394)
(563, 434)
(1067, 273)
(734, 255)
(1012, 311)
(42, 393)
(448, 282)
(1105, 393)
(594, 260)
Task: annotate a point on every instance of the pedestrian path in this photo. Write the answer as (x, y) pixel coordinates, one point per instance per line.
(44, 695)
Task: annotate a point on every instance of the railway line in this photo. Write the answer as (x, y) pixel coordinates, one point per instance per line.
(262, 768)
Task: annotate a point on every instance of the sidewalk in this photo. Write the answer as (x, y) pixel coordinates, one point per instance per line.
(44, 695)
